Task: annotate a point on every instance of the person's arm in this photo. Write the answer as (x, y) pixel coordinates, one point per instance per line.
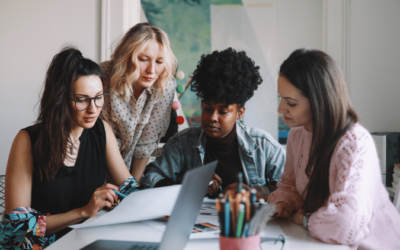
(137, 167)
(166, 166)
(19, 188)
(287, 193)
(273, 172)
(19, 173)
(116, 166)
(153, 131)
(346, 217)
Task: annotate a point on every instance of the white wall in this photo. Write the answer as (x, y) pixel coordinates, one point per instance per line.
(32, 32)
(374, 63)
(299, 25)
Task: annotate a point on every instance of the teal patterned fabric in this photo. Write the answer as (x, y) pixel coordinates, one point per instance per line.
(130, 185)
(24, 228)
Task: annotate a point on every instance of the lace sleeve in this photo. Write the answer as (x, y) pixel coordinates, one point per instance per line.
(346, 216)
(287, 190)
(24, 228)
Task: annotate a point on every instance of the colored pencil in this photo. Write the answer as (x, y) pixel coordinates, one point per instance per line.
(239, 225)
(120, 194)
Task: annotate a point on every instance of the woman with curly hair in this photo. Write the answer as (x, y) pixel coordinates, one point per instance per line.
(332, 182)
(224, 81)
(139, 78)
(57, 168)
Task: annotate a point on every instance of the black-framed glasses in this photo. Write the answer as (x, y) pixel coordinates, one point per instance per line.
(83, 103)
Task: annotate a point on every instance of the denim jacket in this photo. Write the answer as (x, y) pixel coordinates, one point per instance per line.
(262, 157)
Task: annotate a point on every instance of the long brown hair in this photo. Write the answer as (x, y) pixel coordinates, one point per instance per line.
(321, 80)
(54, 122)
(125, 69)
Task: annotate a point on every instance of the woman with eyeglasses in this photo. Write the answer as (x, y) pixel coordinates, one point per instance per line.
(139, 78)
(332, 182)
(57, 168)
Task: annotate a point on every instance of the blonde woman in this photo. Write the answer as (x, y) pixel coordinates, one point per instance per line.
(139, 78)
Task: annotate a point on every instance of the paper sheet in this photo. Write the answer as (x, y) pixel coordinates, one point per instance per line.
(138, 206)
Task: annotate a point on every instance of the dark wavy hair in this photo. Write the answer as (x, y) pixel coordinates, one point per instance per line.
(321, 80)
(54, 122)
(226, 77)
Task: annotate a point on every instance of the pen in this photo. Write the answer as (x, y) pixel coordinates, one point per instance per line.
(233, 211)
(248, 210)
(220, 213)
(220, 188)
(240, 186)
(222, 216)
(238, 200)
(253, 202)
(227, 217)
(245, 232)
(253, 195)
(119, 194)
(240, 221)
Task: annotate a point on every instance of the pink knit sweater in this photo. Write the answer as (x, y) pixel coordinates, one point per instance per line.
(358, 212)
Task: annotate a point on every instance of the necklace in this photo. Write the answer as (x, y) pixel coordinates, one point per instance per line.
(71, 148)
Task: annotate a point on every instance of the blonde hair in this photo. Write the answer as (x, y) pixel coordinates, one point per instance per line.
(125, 71)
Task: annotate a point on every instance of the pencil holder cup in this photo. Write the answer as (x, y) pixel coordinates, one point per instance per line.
(248, 243)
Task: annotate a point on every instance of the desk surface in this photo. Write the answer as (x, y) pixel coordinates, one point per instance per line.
(296, 237)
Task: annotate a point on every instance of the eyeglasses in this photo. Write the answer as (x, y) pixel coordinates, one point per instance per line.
(83, 103)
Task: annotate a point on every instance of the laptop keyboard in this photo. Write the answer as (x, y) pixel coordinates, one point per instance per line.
(143, 247)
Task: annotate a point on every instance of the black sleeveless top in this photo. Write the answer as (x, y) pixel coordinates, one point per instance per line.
(72, 187)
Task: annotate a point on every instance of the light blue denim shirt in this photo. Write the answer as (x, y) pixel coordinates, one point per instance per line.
(262, 157)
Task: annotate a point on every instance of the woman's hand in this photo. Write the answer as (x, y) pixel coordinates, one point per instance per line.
(214, 187)
(234, 187)
(104, 196)
(297, 218)
(282, 210)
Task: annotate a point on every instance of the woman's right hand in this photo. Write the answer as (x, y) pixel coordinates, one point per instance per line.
(215, 185)
(282, 210)
(104, 196)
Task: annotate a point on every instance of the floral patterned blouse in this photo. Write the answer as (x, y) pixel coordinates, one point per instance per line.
(138, 124)
(25, 228)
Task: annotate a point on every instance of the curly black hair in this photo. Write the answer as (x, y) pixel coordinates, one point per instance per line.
(226, 77)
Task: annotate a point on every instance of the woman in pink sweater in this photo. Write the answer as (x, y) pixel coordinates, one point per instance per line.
(332, 181)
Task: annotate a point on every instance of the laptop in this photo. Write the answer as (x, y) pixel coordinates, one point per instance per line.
(179, 228)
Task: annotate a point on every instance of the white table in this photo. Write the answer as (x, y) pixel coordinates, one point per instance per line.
(297, 238)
